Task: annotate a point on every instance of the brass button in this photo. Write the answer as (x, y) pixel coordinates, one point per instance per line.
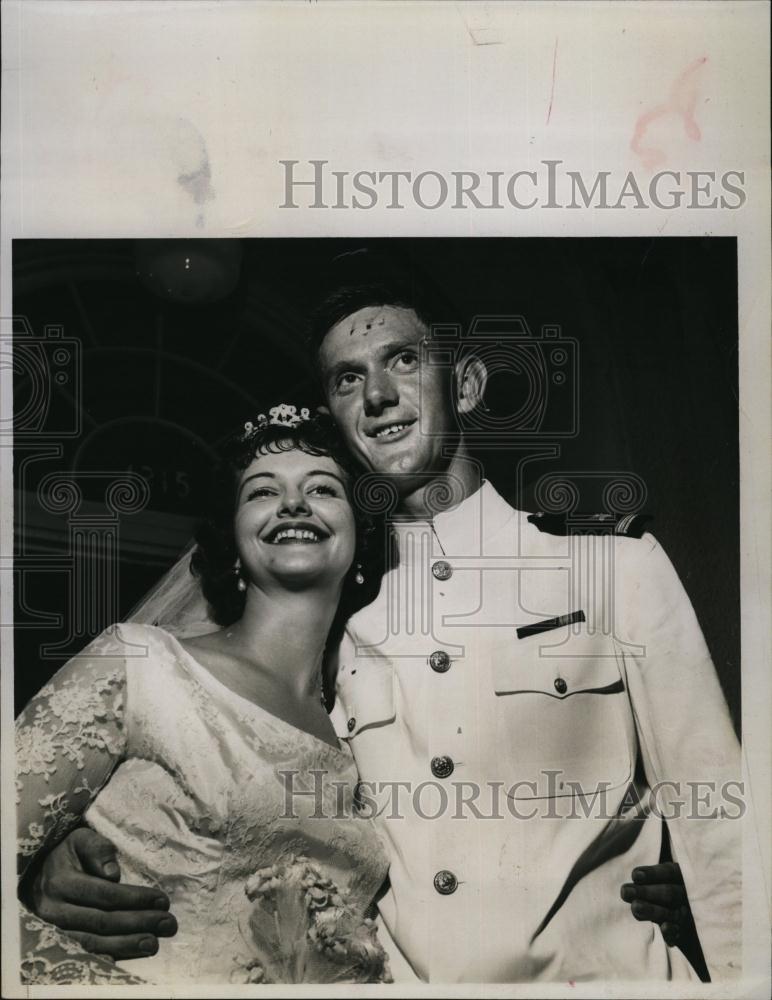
(442, 570)
(439, 661)
(445, 883)
(350, 724)
(560, 685)
(442, 767)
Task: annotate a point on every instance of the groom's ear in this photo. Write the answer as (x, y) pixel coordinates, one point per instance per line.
(471, 378)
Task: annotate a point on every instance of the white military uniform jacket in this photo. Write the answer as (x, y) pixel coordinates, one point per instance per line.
(436, 689)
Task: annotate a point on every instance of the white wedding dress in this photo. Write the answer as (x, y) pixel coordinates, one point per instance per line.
(194, 785)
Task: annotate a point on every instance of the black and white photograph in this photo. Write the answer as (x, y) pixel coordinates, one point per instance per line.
(384, 605)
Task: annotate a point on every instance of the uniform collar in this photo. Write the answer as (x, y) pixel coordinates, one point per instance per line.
(478, 518)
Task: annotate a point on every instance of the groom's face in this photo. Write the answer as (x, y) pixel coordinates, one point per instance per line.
(377, 389)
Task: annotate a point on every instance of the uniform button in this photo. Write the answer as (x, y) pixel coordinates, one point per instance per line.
(560, 685)
(442, 570)
(439, 661)
(442, 767)
(351, 723)
(445, 883)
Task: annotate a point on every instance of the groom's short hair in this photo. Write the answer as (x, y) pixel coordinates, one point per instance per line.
(367, 277)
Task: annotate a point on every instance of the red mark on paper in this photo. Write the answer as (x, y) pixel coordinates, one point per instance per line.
(552, 91)
(681, 102)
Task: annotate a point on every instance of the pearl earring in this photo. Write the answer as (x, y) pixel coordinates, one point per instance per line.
(359, 575)
(241, 583)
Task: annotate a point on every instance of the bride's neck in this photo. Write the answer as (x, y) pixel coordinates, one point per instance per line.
(286, 632)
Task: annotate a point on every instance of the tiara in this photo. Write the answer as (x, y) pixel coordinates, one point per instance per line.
(283, 415)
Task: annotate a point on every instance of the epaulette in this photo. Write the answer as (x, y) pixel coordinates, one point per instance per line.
(629, 525)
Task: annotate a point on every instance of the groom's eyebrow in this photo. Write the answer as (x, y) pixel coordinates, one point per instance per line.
(384, 351)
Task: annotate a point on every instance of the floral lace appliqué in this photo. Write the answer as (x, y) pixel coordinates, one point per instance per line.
(50, 957)
(67, 721)
(76, 716)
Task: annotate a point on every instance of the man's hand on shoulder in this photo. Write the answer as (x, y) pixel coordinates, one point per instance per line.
(77, 887)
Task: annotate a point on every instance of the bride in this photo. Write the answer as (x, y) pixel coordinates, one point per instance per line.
(211, 762)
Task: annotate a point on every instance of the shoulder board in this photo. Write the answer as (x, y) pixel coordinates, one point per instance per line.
(629, 525)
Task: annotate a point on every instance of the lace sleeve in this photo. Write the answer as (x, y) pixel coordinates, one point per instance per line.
(69, 739)
(50, 957)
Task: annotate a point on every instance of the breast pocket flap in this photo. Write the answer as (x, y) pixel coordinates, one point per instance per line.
(562, 671)
(365, 698)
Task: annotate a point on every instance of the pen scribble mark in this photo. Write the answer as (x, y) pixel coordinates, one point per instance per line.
(552, 91)
(681, 102)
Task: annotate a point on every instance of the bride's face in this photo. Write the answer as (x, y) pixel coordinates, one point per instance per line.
(294, 524)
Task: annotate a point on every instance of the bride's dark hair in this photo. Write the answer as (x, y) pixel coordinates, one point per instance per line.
(215, 554)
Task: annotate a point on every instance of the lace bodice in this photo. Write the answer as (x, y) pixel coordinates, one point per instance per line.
(199, 789)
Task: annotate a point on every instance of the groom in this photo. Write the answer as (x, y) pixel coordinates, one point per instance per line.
(470, 667)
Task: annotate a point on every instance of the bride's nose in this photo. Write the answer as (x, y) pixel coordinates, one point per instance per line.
(293, 502)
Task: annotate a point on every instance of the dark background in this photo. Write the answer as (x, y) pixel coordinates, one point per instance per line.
(181, 341)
